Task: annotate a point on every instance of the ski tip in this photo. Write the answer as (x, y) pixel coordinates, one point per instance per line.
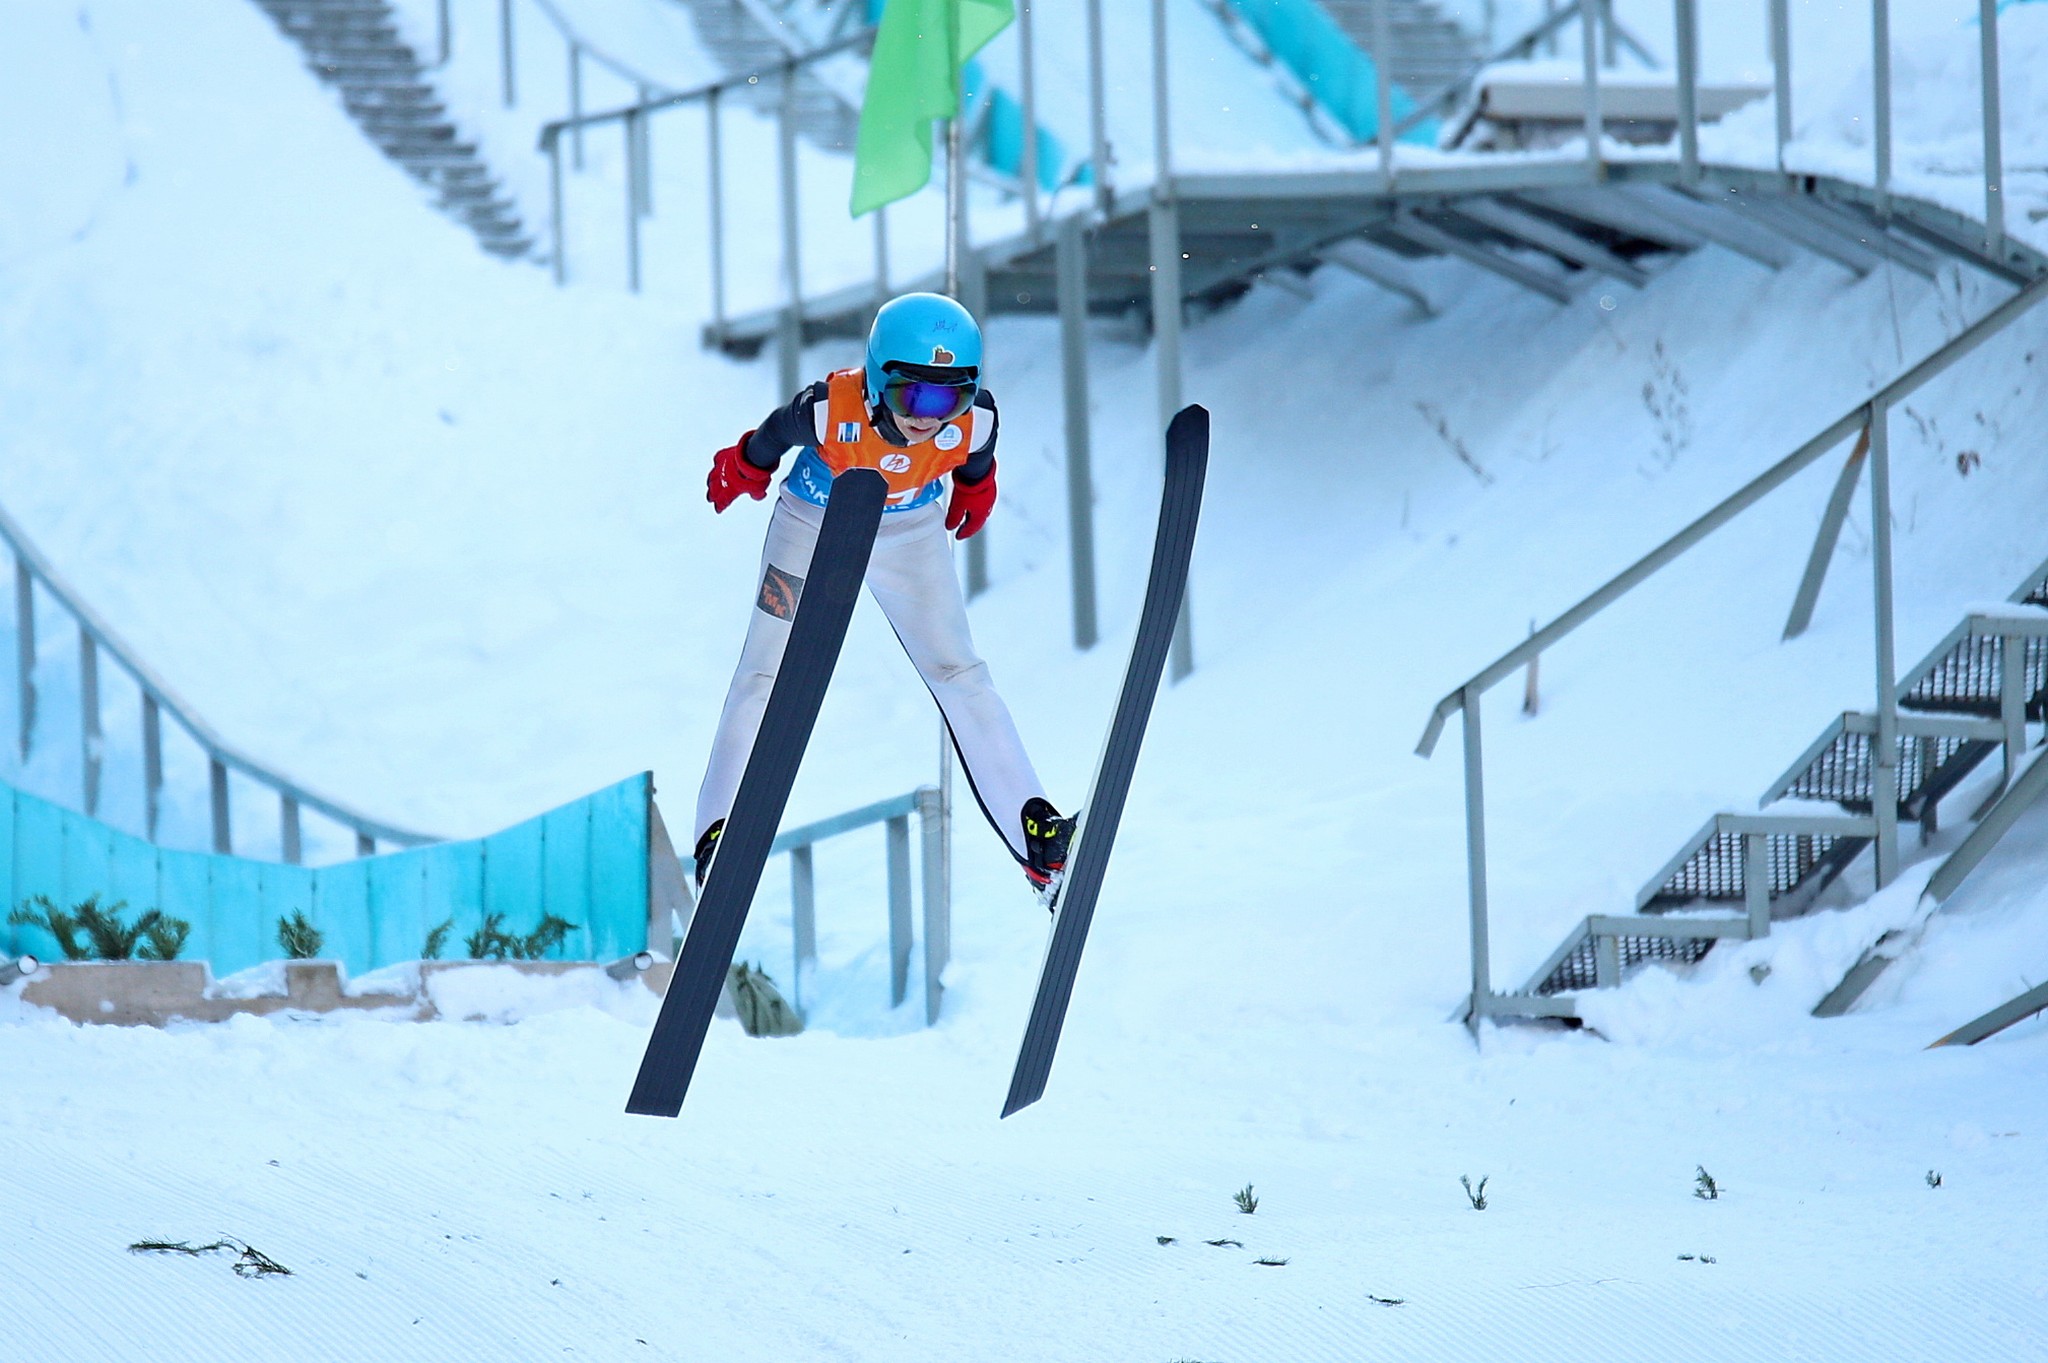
(1015, 1104)
(1189, 423)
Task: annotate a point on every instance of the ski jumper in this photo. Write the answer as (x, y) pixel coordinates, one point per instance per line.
(910, 576)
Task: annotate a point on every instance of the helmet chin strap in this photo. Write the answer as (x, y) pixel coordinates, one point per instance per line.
(884, 422)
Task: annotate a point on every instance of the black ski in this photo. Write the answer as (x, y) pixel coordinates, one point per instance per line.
(1187, 463)
(824, 605)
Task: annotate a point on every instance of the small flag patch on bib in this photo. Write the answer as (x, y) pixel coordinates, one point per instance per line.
(849, 432)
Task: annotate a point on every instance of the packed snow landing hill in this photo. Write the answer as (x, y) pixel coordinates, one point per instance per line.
(428, 533)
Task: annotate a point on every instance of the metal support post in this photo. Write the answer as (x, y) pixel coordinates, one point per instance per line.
(938, 911)
(1383, 109)
(1824, 541)
(644, 159)
(717, 202)
(366, 846)
(288, 833)
(25, 652)
(633, 182)
(217, 782)
(1884, 793)
(899, 908)
(1098, 126)
(1610, 42)
(803, 920)
(1606, 961)
(561, 252)
(576, 103)
(790, 328)
(90, 743)
(505, 49)
(2012, 702)
(1781, 72)
(881, 256)
(1164, 222)
(1994, 155)
(441, 32)
(1071, 262)
(1475, 859)
(1756, 882)
(152, 765)
(1685, 14)
(1881, 102)
(1589, 64)
(1027, 166)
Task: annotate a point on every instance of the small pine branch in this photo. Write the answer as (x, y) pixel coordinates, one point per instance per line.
(1246, 1201)
(1387, 1301)
(1222, 1244)
(1934, 1178)
(1165, 1239)
(489, 941)
(1707, 1190)
(1270, 1263)
(1476, 1196)
(164, 938)
(53, 920)
(112, 939)
(299, 938)
(550, 934)
(250, 1262)
(437, 940)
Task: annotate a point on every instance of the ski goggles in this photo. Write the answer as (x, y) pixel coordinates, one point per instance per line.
(928, 398)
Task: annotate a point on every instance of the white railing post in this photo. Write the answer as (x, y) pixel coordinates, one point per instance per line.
(1781, 72)
(1884, 757)
(938, 906)
(576, 104)
(1475, 859)
(715, 172)
(1881, 103)
(25, 651)
(1027, 166)
(505, 50)
(90, 744)
(152, 764)
(288, 830)
(217, 782)
(1994, 155)
(898, 833)
(1685, 14)
(1589, 62)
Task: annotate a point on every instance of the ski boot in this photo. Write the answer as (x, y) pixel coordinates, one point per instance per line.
(706, 846)
(1046, 835)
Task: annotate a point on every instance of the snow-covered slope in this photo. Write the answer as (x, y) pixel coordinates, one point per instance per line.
(427, 532)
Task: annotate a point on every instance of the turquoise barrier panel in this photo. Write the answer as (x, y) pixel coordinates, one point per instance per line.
(399, 911)
(1322, 56)
(341, 898)
(586, 861)
(452, 880)
(242, 934)
(184, 889)
(619, 833)
(8, 899)
(565, 872)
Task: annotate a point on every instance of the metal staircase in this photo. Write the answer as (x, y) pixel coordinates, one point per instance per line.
(761, 35)
(1971, 697)
(354, 45)
(1423, 49)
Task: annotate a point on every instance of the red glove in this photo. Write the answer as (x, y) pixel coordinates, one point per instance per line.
(971, 503)
(732, 473)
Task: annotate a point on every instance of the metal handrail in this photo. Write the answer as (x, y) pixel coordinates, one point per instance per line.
(1855, 419)
(158, 699)
(930, 807)
(552, 130)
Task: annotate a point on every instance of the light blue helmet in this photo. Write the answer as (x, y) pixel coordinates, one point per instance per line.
(922, 332)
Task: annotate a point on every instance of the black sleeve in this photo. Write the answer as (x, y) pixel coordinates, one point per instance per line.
(980, 461)
(786, 428)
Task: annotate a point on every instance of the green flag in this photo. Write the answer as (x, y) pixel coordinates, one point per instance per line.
(913, 75)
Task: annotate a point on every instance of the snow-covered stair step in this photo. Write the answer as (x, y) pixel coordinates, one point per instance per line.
(355, 46)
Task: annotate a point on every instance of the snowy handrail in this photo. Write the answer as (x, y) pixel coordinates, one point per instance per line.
(1855, 419)
(95, 637)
